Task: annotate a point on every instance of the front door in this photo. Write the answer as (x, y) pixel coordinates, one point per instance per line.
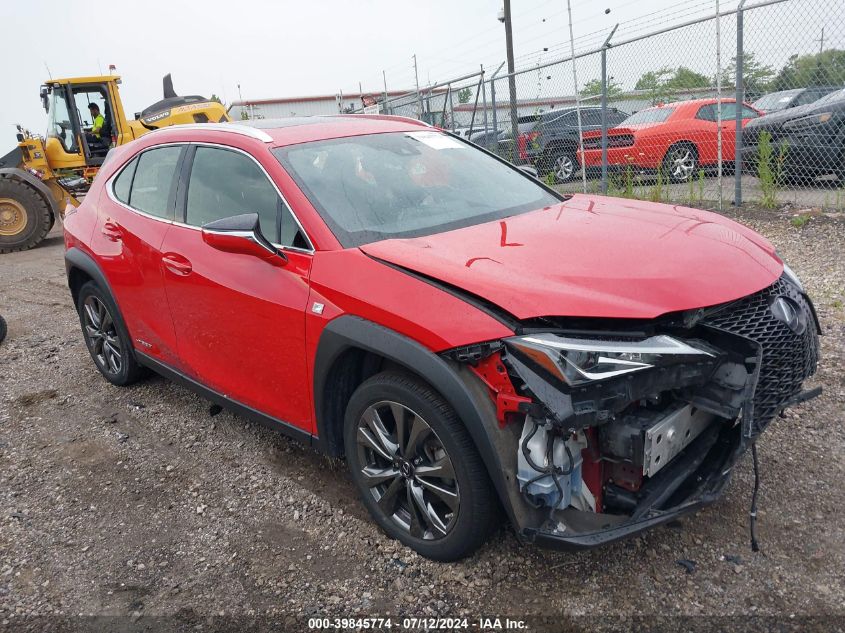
(240, 320)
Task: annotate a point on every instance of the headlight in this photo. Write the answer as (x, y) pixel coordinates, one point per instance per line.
(810, 120)
(790, 274)
(577, 361)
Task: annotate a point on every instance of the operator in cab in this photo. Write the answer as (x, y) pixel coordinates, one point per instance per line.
(95, 136)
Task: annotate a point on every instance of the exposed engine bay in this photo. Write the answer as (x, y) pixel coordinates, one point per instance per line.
(626, 424)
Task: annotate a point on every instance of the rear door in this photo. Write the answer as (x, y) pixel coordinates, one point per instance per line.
(134, 216)
(240, 320)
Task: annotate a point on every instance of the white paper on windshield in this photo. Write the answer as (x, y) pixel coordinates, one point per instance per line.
(436, 140)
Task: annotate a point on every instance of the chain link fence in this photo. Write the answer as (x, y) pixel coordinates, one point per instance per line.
(747, 106)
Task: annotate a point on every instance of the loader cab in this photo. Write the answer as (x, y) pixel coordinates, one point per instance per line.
(69, 142)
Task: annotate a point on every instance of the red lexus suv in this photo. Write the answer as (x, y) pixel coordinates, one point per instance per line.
(469, 339)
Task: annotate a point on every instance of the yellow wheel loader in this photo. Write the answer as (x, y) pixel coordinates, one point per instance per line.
(41, 176)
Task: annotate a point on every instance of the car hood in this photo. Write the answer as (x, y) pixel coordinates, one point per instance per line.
(593, 256)
(781, 116)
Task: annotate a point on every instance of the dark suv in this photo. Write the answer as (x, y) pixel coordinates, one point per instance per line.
(550, 140)
(811, 139)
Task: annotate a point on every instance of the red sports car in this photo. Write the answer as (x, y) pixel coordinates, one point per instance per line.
(676, 138)
(465, 336)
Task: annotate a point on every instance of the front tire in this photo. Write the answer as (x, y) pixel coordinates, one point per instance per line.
(107, 341)
(25, 218)
(416, 468)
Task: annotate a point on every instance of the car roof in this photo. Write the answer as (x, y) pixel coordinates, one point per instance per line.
(293, 130)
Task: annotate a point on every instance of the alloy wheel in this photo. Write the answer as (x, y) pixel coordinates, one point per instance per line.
(681, 163)
(407, 470)
(564, 167)
(101, 332)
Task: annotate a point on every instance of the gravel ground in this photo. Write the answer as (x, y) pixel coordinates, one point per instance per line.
(145, 502)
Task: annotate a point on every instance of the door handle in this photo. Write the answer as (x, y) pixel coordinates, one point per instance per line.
(112, 231)
(176, 264)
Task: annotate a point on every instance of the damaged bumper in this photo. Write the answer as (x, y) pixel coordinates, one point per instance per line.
(627, 428)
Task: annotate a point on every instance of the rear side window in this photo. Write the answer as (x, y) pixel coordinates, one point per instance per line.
(650, 115)
(226, 183)
(123, 182)
(153, 181)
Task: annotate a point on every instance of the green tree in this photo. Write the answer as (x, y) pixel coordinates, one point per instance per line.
(214, 97)
(686, 79)
(653, 83)
(756, 77)
(821, 69)
(662, 85)
(464, 95)
(593, 88)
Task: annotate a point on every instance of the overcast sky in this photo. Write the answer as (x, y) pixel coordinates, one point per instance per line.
(292, 48)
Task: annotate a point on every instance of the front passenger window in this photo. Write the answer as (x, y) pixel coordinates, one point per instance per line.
(226, 183)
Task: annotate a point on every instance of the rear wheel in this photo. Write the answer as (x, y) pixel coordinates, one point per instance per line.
(416, 467)
(106, 339)
(25, 218)
(561, 164)
(680, 163)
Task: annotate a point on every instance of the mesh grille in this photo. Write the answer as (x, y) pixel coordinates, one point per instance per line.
(788, 358)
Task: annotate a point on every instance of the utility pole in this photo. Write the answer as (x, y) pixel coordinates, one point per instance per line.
(417, 81)
(821, 42)
(511, 78)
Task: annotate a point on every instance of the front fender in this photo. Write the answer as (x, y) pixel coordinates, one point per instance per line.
(461, 388)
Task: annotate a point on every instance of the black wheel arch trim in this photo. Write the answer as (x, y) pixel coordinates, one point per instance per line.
(75, 258)
(463, 392)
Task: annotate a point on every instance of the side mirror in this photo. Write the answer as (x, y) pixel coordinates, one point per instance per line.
(45, 102)
(241, 234)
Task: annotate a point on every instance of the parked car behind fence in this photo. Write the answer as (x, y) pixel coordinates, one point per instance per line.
(806, 142)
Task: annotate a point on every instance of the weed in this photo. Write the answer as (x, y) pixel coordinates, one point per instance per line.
(770, 169)
(655, 194)
(799, 220)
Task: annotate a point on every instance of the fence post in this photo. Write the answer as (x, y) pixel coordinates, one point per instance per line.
(384, 76)
(451, 108)
(719, 103)
(604, 48)
(740, 98)
(495, 140)
(484, 96)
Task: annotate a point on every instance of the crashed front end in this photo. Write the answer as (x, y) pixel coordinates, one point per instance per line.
(619, 426)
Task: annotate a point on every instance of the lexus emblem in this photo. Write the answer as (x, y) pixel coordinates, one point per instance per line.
(789, 312)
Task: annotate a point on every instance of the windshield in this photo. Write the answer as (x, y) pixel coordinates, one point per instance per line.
(833, 96)
(58, 121)
(407, 184)
(776, 100)
(650, 115)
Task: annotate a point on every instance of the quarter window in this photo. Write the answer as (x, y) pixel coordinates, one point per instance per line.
(123, 182)
(153, 181)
